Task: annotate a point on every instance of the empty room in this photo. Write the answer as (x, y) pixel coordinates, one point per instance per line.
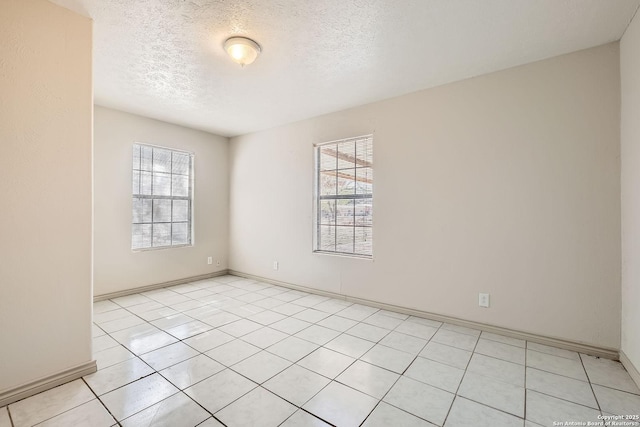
(294, 213)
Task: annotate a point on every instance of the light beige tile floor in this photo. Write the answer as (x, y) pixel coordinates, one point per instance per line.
(236, 352)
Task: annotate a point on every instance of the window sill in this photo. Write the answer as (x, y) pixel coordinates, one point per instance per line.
(345, 255)
(160, 248)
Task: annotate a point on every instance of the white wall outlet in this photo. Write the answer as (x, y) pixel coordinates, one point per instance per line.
(275, 265)
(483, 300)
(218, 263)
(210, 260)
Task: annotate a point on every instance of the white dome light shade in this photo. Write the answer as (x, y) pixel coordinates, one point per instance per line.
(242, 50)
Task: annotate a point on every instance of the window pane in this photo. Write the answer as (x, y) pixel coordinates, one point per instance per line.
(327, 238)
(161, 181)
(344, 239)
(161, 234)
(328, 184)
(346, 155)
(180, 185)
(161, 160)
(364, 241)
(346, 181)
(141, 236)
(161, 210)
(344, 215)
(328, 159)
(179, 234)
(364, 181)
(161, 184)
(135, 182)
(364, 212)
(180, 163)
(345, 175)
(180, 210)
(145, 183)
(146, 153)
(328, 212)
(141, 210)
(364, 152)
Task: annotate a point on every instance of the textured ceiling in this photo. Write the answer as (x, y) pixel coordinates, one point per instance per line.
(164, 58)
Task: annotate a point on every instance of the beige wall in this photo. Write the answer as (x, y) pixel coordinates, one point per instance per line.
(630, 142)
(116, 266)
(45, 182)
(508, 183)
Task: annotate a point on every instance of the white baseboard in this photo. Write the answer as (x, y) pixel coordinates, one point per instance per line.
(45, 383)
(608, 353)
(630, 367)
(137, 290)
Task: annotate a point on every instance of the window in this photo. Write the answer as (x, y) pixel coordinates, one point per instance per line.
(162, 197)
(344, 197)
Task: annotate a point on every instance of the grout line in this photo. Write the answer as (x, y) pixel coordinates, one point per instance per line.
(289, 335)
(555, 373)
(268, 325)
(138, 379)
(10, 417)
(220, 297)
(212, 418)
(375, 406)
(59, 413)
(309, 413)
(493, 408)
(563, 399)
(461, 379)
(226, 367)
(402, 374)
(291, 316)
(100, 400)
(557, 342)
(590, 384)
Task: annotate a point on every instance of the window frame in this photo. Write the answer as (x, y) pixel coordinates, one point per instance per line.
(317, 198)
(189, 198)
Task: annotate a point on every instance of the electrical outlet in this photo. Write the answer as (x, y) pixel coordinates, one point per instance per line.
(483, 300)
(210, 260)
(275, 265)
(218, 263)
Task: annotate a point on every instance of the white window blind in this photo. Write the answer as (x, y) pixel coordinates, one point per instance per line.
(162, 197)
(344, 197)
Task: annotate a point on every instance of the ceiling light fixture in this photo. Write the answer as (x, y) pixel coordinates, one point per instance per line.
(242, 50)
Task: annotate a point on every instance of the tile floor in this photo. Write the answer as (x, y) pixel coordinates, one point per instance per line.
(235, 352)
